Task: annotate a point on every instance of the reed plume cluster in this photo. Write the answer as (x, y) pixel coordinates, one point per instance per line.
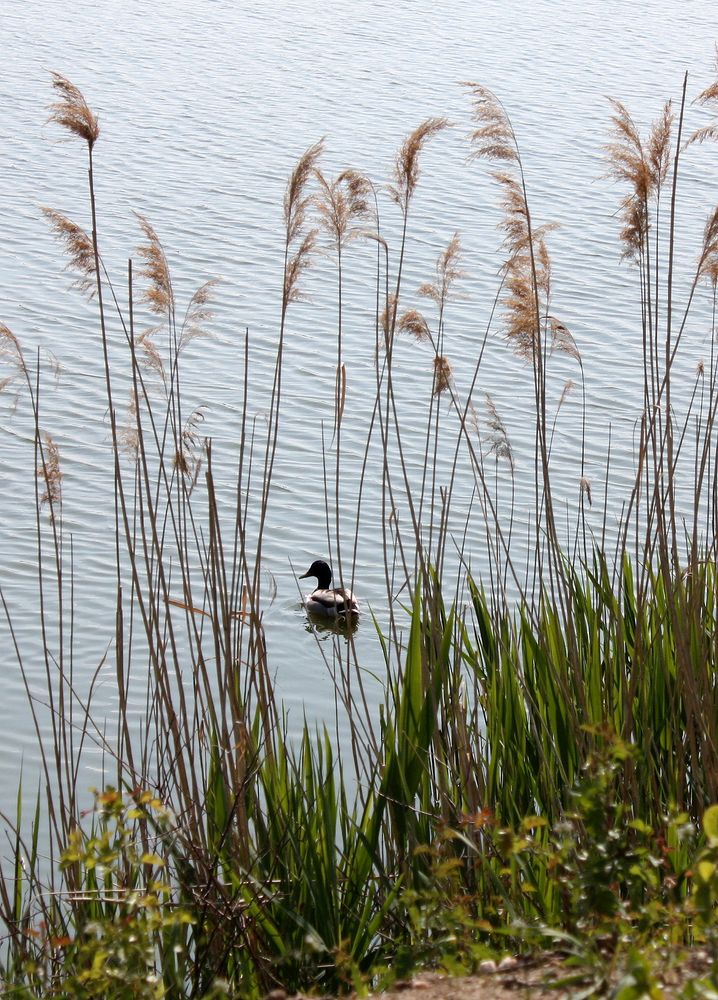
(227, 858)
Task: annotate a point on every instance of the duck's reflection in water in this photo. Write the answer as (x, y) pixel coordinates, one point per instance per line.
(324, 627)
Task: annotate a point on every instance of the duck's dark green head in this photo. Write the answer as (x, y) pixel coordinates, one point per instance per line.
(322, 571)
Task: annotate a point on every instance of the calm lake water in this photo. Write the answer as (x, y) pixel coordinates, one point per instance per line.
(204, 109)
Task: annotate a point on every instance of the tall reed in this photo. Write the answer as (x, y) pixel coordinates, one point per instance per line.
(284, 861)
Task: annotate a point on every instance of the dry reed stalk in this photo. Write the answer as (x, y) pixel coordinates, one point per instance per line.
(527, 296)
(405, 180)
(343, 207)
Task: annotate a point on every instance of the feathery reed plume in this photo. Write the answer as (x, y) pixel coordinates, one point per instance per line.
(128, 435)
(443, 374)
(386, 318)
(150, 355)
(51, 474)
(159, 293)
(708, 97)
(11, 351)
(585, 485)
(406, 167)
(297, 265)
(296, 204)
(56, 366)
(198, 314)
(343, 203)
(448, 272)
(515, 221)
(188, 457)
(72, 112)
(644, 169)
(568, 388)
(412, 322)
(341, 391)
(562, 339)
(79, 249)
(499, 442)
(659, 146)
(528, 265)
(526, 278)
(493, 138)
(473, 418)
(626, 157)
(708, 262)
(634, 229)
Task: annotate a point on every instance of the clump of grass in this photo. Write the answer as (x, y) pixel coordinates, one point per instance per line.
(546, 736)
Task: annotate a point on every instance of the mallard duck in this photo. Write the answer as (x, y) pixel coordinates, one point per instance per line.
(327, 601)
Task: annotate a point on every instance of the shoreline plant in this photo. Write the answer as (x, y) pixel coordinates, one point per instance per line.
(545, 750)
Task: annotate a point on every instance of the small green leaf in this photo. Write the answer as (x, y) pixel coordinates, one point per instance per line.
(706, 870)
(710, 823)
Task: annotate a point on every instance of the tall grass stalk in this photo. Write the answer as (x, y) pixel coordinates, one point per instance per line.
(241, 855)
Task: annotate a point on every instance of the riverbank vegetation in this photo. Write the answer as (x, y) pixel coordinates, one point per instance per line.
(543, 769)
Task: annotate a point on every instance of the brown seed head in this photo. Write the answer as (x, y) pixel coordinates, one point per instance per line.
(11, 351)
(188, 457)
(342, 204)
(413, 323)
(199, 313)
(448, 272)
(386, 320)
(51, 474)
(406, 167)
(296, 200)
(708, 262)
(627, 160)
(150, 354)
(159, 293)
(500, 445)
(562, 339)
(128, 433)
(443, 374)
(493, 138)
(585, 485)
(297, 265)
(78, 247)
(708, 97)
(72, 112)
(659, 146)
